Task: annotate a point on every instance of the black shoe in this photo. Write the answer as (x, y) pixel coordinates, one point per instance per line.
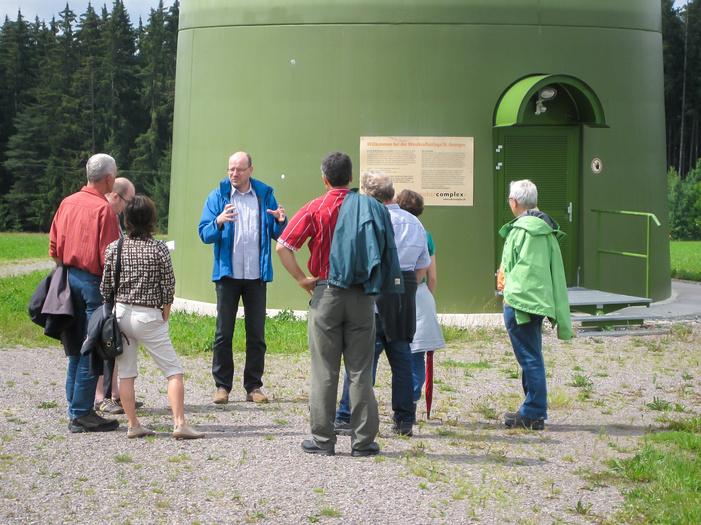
(342, 428)
(92, 423)
(402, 428)
(310, 448)
(525, 422)
(511, 415)
(137, 404)
(372, 450)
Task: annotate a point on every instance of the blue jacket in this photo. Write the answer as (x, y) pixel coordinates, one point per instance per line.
(363, 249)
(223, 240)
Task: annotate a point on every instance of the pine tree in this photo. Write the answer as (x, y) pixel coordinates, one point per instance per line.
(72, 88)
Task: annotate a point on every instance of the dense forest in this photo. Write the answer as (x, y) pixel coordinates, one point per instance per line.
(681, 36)
(79, 85)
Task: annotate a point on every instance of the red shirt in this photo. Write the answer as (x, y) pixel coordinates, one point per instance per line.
(83, 226)
(316, 221)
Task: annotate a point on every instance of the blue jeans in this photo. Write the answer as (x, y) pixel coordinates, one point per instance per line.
(418, 371)
(229, 292)
(399, 357)
(527, 341)
(80, 384)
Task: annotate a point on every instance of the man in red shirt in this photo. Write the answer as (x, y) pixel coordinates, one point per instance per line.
(83, 226)
(341, 320)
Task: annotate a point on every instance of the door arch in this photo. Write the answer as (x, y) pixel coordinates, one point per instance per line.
(537, 136)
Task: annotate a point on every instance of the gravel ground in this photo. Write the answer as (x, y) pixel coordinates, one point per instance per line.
(462, 465)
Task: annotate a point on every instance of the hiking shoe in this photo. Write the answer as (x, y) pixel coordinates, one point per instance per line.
(511, 415)
(256, 396)
(92, 423)
(403, 428)
(342, 428)
(372, 450)
(525, 422)
(310, 447)
(109, 406)
(137, 404)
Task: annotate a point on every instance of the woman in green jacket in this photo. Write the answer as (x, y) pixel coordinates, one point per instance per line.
(535, 288)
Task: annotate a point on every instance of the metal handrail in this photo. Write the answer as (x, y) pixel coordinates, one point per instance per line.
(645, 255)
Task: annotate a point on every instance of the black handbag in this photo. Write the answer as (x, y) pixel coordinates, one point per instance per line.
(109, 344)
(103, 327)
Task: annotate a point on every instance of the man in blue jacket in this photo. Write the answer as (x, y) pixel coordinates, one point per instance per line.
(239, 218)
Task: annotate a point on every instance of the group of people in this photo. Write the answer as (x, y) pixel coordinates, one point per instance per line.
(87, 240)
(371, 275)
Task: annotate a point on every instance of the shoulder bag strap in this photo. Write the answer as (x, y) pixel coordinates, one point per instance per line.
(117, 269)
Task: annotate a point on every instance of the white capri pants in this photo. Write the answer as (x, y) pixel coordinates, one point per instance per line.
(144, 325)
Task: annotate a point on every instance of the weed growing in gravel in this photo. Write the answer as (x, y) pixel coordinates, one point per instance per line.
(513, 372)
(659, 404)
(581, 509)
(329, 512)
(559, 398)
(581, 381)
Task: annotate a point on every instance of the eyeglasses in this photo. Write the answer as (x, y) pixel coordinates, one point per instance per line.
(125, 201)
(238, 170)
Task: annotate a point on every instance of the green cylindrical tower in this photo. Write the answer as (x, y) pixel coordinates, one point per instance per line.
(290, 80)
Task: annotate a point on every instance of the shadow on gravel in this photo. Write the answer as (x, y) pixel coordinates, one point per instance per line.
(611, 430)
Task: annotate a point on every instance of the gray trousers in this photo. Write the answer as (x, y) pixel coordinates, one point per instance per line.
(342, 324)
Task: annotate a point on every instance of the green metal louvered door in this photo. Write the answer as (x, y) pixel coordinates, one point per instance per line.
(548, 156)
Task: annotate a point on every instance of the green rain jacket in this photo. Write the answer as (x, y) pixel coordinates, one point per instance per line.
(534, 273)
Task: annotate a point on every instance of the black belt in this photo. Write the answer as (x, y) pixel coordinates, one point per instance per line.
(321, 282)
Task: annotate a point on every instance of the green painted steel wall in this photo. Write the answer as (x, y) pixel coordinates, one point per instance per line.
(289, 81)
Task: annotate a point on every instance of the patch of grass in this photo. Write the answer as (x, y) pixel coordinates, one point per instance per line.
(663, 477)
(692, 425)
(685, 259)
(191, 334)
(194, 334)
(454, 335)
(18, 246)
(18, 329)
(449, 363)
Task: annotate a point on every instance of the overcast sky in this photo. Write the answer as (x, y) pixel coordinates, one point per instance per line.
(46, 9)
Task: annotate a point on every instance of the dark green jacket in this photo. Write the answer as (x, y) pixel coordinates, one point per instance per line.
(363, 249)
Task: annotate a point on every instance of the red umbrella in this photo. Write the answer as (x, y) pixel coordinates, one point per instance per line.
(429, 383)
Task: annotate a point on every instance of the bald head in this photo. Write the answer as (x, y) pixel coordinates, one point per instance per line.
(122, 192)
(240, 170)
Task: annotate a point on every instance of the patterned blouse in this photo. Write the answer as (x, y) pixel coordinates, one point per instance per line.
(146, 277)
